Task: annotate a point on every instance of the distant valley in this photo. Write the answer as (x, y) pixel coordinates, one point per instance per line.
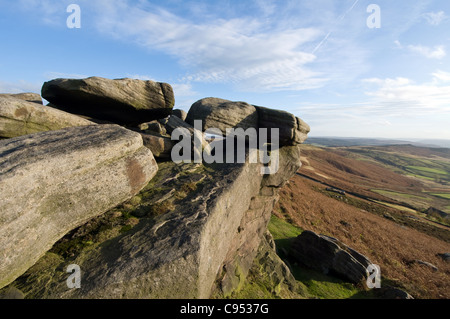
(390, 203)
(354, 141)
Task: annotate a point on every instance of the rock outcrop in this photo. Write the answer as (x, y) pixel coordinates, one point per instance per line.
(223, 114)
(328, 255)
(293, 130)
(122, 101)
(193, 230)
(19, 117)
(30, 97)
(52, 182)
(161, 146)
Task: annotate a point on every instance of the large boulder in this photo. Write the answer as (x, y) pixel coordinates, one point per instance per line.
(161, 146)
(52, 182)
(222, 114)
(292, 130)
(28, 96)
(330, 256)
(122, 101)
(19, 117)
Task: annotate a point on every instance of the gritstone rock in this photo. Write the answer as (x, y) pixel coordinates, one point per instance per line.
(52, 182)
(122, 101)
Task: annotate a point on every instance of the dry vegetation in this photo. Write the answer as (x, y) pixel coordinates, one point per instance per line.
(388, 243)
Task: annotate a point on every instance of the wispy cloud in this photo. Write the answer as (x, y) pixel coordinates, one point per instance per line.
(49, 12)
(393, 107)
(436, 52)
(401, 96)
(435, 18)
(54, 75)
(338, 20)
(238, 50)
(20, 86)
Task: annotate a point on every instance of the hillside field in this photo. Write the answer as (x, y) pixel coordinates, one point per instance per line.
(381, 215)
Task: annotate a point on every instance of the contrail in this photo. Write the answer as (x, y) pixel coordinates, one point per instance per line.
(329, 33)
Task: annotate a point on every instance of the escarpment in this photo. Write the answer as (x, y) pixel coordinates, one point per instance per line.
(189, 229)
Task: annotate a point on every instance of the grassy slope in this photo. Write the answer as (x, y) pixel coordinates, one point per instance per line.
(391, 243)
(317, 285)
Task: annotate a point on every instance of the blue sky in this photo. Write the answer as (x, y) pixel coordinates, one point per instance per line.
(317, 59)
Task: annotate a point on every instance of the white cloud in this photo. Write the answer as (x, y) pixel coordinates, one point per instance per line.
(183, 90)
(20, 86)
(55, 75)
(435, 18)
(441, 76)
(49, 11)
(142, 77)
(401, 96)
(438, 52)
(238, 50)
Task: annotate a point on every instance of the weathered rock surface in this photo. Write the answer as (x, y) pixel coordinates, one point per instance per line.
(19, 117)
(288, 164)
(12, 293)
(153, 127)
(266, 263)
(445, 256)
(30, 97)
(52, 182)
(199, 226)
(196, 229)
(392, 293)
(180, 114)
(160, 146)
(122, 101)
(223, 114)
(329, 256)
(189, 132)
(292, 129)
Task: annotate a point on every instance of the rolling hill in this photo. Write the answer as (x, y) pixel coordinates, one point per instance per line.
(383, 213)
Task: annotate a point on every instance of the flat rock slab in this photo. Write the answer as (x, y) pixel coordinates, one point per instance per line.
(52, 182)
(122, 101)
(19, 117)
(30, 97)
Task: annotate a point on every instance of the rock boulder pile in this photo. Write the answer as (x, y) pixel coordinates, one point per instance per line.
(93, 194)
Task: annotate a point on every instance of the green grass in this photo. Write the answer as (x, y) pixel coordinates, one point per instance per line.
(420, 167)
(444, 196)
(396, 194)
(317, 285)
(322, 286)
(402, 208)
(428, 170)
(419, 176)
(281, 229)
(283, 232)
